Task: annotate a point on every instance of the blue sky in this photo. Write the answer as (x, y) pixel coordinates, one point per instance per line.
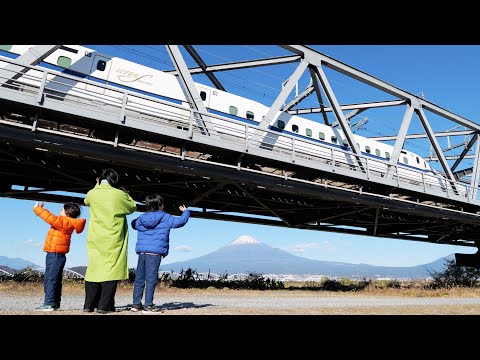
(446, 75)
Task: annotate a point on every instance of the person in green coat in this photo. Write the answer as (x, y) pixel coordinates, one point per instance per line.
(107, 242)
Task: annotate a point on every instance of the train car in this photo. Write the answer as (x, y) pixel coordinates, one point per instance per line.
(318, 141)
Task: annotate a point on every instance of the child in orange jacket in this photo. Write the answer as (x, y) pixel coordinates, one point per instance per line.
(57, 244)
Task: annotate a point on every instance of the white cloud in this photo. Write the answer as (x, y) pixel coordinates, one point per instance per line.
(183, 248)
(300, 248)
(328, 246)
(32, 242)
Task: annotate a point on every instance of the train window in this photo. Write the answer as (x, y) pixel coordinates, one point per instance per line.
(281, 124)
(295, 128)
(101, 65)
(64, 61)
(418, 160)
(6, 47)
(387, 154)
(233, 110)
(345, 142)
(377, 152)
(367, 149)
(321, 136)
(405, 160)
(334, 139)
(250, 115)
(203, 95)
(308, 132)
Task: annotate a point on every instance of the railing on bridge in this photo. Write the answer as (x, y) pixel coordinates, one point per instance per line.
(152, 114)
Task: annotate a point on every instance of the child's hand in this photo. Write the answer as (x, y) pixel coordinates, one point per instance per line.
(182, 208)
(41, 204)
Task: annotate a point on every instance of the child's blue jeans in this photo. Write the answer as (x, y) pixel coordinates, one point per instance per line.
(146, 277)
(52, 284)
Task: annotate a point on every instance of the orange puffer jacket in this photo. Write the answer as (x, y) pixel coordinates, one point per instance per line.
(59, 235)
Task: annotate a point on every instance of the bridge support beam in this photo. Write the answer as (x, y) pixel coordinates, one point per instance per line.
(465, 151)
(304, 94)
(402, 133)
(348, 116)
(436, 146)
(189, 89)
(339, 114)
(32, 57)
(472, 260)
(202, 64)
(474, 181)
(315, 82)
(362, 106)
(282, 97)
(241, 65)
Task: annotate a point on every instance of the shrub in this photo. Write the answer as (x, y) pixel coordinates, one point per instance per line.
(454, 276)
(387, 284)
(189, 279)
(28, 275)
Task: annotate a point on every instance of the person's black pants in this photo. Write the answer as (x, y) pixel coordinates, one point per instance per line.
(100, 295)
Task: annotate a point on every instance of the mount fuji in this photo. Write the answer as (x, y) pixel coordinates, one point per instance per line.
(248, 255)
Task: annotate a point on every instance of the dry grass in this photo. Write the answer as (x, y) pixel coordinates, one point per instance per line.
(76, 288)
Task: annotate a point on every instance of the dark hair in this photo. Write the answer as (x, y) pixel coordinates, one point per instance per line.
(111, 176)
(72, 210)
(153, 202)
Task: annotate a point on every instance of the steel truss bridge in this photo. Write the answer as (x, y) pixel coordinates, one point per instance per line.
(54, 141)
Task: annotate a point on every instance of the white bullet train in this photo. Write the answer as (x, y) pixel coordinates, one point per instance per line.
(322, 141)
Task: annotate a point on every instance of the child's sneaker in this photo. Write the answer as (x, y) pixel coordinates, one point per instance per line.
(150, 309)
(136, 307)
(45, 307)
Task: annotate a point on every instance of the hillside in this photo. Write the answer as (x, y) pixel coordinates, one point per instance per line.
(17, 263)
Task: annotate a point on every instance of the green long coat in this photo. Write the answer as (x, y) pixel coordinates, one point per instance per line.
(107, 237)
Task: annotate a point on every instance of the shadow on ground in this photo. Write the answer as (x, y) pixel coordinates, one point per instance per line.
(180, 305)
(169, 306)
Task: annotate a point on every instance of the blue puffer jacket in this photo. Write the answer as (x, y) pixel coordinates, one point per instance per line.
(154, 230)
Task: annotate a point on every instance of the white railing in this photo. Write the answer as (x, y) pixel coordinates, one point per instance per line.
(173, 275)
(66, 273)
(4, 272)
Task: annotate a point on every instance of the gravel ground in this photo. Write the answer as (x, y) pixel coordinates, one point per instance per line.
(253, 302)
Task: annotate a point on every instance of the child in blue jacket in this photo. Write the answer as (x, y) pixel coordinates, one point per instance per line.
(152, 245)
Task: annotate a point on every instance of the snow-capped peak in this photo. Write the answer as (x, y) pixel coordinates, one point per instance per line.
(245, 240)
